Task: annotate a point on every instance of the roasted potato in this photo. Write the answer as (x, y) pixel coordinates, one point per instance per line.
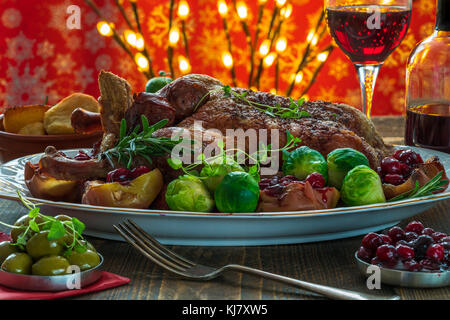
(25, 118)
(139, 194)
(57, 120)
(33, 129)
(45, 187)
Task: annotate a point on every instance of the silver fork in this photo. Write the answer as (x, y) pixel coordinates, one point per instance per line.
(173, 262)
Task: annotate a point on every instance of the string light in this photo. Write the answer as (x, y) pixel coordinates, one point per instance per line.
(183, 64)
(281, 44)
(130, 37)
(174, 36)
(269, 59)
(280, 3)
(287, 11)
(299, 77)
(140, 44)
(273, 91)
(322, 56)
(241, 10)
(310, 36)
(264, 48)
(141, 61)
(314, 40)
(183, 9)
(105, 29)
(227, 60)
(222, 7)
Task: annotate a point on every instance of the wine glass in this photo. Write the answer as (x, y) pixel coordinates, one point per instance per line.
(368, 31)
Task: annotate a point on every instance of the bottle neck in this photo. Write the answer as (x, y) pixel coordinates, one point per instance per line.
(443, 15)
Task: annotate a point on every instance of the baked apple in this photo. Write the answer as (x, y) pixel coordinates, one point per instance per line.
(46, 187)
(138, 193)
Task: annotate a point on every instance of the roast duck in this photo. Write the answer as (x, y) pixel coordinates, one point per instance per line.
(195, 98)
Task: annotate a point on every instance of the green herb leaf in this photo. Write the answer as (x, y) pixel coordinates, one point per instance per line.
(175, 163)
(432, 186)
(33, 212)
(78, 225)
(57, 230)
(33, 226)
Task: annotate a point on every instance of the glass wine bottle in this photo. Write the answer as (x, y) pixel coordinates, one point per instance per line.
(428, 87)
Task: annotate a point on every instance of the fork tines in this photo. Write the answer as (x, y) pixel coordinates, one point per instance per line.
(152, 249)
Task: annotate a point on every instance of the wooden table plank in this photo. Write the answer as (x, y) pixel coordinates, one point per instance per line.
(329, 262)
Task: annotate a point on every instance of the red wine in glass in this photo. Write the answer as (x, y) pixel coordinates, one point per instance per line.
(363, 43)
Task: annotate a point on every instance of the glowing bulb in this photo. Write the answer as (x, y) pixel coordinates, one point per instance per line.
(264, 48)
(273, 91)
(269, 59)
(223, 8)
(130, 37)
(174, 36)
(280, 3)
(299, 77)
(227, 60)
(184, 65)
(314, 40)
(140, 42)
(287, 11)
(141, 61)
(183, 9)
(322, 56)
(241, 10)
(310, 36)
(281, 44)
(105, 29)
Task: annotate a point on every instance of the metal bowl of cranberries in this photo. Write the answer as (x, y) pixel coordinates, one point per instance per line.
(416, 256)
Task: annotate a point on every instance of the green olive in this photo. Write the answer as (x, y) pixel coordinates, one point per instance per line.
(22, 224)
(19, 262)
(50, 266)
(85, 260)
(63, 217)
(6, 249)
(39, 245)
(88, 245)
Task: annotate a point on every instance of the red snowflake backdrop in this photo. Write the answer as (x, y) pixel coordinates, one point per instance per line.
(42, 58)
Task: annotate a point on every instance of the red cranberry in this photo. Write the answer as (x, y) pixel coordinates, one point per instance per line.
(428, 231)
(391, 165)
(375, 261)
(264, 183)
(398, 153)
(405, 169)
(437, 236)
(372, 241)
(386, 253)
(445, 239)
(412, 265)
(414, 226)
(364, 254)
(421, 244)
(386, 239)
(394, 179)
(316, 180)
(446, 245)
(82, 156)
(435, 252)
(119, 175)
(405, 252)
(403, 242)
(429, 264)
(410, 236)
(275, 190)
(410, 157)
(139, 171)
(396, 234)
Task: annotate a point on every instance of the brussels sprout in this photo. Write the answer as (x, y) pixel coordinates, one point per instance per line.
(238, 192)
(216, 170)
(303, 161)
(341, 161)
(188, 193)
(362, 186)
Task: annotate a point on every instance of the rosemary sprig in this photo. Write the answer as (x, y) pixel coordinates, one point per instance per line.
(141, 144)
(293, 111)
(432, 186)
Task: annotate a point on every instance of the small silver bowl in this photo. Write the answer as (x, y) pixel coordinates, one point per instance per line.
(49, 283)
(407, 278)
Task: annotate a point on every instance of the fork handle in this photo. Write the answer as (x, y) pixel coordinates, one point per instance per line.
(330, 292)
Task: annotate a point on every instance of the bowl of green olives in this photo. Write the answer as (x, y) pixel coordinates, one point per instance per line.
(48, 254)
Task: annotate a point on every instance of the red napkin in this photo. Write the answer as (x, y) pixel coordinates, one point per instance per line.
(106, 281)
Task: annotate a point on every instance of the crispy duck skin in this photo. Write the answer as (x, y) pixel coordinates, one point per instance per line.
(197, 97)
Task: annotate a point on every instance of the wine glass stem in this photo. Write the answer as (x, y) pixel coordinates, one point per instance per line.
(367, 74)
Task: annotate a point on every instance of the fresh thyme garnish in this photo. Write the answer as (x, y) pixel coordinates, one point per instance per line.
(293, 111)
(141, 144)
(57, 229)
(432, 186)
(258, 157)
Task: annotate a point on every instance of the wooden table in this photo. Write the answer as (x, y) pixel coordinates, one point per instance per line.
(330, 262)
